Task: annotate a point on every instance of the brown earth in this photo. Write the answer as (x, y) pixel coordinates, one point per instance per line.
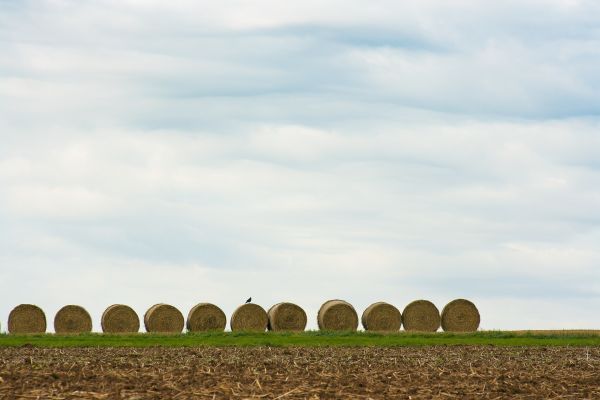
(466, 372)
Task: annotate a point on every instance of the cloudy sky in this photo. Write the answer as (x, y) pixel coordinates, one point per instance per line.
(191, 151)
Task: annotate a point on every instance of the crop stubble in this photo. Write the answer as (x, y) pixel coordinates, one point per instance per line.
(294, 372)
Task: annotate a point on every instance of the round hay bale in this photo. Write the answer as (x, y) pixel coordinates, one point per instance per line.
(206, 317)
(422, 316)
(337, 315)
(72, 319)
(382, 317)
(460, 315)
(26, 318)
(249, 317)
(120, 318)
(286, 317)
(163, 318)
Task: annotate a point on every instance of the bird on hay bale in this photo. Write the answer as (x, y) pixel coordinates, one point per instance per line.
(249, 300)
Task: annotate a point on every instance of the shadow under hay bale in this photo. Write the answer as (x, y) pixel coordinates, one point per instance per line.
(249, 317)
(120, 318)
(72, 319)
(163, 318)
(460, 315)
(421, 316)
(286, 317)
(206, 317)
(381, 317)
(26, 318)
(337, 315)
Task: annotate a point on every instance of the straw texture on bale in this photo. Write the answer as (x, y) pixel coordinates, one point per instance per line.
(72, 319)
(206, 317)
(460, 315)
(382, 317)
(27, 318)
(422, 316)
(286, 317)
(337, 315)
(163, 318)
(249, 317)
(120, 318)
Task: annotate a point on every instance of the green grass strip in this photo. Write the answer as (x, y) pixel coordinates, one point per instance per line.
(309, 338)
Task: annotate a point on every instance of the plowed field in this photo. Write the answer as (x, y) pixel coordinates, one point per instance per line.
(296, 372)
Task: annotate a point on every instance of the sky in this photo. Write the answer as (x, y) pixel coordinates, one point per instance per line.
(185, 152)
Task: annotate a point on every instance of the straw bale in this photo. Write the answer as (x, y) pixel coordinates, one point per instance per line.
(120, 318)
(163, 318)
(421, 315)
(206, 317)
(26, 318)
(249, 317)
(381, 317)
(286, 317)
(337, 315)
(460, 315)
(72, 319)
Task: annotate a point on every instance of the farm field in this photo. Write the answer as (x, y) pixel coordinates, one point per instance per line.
(441, 372)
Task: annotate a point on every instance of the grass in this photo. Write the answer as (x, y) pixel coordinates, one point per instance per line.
(310, 338)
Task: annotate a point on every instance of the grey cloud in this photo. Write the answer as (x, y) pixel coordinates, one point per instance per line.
(493, 287)
(489, 64)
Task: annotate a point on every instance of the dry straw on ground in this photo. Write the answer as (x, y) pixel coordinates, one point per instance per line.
(249, 317)
(337, 315)
(286, 317)
(26, 318)
(382, 317)
(163, 318)
(290, 373)
(460, 315)
(72, 319)
(206, 317)
(120, 318)
(422, 316)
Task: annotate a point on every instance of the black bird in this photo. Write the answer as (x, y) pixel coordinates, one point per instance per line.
(249, 300)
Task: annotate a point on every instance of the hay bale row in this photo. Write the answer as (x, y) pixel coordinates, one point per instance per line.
(459, 315)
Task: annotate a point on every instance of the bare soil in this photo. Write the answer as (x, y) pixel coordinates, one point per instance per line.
(442, 372)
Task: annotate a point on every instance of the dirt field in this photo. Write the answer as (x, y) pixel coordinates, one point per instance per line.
(297, 373)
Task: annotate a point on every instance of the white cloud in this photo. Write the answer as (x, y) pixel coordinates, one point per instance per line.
(182, 153)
